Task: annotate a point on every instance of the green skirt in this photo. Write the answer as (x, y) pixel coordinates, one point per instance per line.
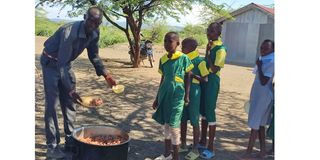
(170, 104)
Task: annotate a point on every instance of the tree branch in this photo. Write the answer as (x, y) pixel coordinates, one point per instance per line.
(148, 5)
(93, 2)
(118, 14)
(112, 22)
(140, 19)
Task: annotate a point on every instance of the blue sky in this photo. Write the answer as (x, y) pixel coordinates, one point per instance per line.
(190, 18)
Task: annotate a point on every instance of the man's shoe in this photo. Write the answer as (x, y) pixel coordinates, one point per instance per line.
(55, 153)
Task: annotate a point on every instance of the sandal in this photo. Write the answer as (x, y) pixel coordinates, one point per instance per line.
(206, 154)
(199, 146)
(183, 149)
(192, 155)
(162, 157)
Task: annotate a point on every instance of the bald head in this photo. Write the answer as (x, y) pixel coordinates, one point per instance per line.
(93, 19)
(94, 13)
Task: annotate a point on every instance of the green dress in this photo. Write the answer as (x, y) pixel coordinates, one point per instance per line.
(270, 131)
(171, 91)
(191, 112)
(211, 89)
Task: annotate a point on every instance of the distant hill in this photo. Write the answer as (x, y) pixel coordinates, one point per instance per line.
(121, 23)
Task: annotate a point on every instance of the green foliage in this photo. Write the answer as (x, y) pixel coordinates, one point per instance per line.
(156, 32)
(44, 27)
(195, 31)
(215, 12)
(108, 35)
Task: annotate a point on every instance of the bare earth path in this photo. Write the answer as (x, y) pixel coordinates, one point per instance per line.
(131, 111)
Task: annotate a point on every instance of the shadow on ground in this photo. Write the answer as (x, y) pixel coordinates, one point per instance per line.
(131, 111)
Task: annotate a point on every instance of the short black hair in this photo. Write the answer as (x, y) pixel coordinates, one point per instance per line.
(269, 41)
(191, 42)
(89, 13)
(174, 34)
(216, 26)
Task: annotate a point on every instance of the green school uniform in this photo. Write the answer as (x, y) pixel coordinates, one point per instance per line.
(171, 91)
(270, 131)
(191, 112)
(211, 89)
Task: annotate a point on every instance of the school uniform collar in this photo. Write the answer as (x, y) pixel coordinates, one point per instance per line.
(194, 54)
(269, 56)
(175, 55)
(217, 42)
(82, 32)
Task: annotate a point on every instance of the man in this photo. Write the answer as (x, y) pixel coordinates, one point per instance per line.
(67, 43)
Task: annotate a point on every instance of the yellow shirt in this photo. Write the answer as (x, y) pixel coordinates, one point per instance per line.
(220, 55)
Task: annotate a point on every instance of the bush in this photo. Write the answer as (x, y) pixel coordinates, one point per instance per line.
(195, 31)
(108, 35)
(44, 27)
(156, 32)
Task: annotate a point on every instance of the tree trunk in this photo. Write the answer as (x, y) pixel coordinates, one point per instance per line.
(135, 30)
(137, 59)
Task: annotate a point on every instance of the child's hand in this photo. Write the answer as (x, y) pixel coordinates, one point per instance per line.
(186, 100)
(259, 63)
(155, 104)
(209, 45)
(191, 74)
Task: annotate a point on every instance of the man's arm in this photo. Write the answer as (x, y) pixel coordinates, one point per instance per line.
(93, 55)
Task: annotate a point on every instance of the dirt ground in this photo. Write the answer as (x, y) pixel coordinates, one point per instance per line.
(132, 111)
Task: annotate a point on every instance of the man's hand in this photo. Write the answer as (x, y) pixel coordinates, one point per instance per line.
(110, 80)
(155, 104)
(75, 97)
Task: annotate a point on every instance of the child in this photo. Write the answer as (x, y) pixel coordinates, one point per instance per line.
(215, 56)
(270, 131)
(261, 97)
(172, 94)
(191, 111)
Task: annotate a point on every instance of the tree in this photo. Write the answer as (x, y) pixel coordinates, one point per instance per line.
(40, 12)
(215, 12)
(155, 31)
(134, 12)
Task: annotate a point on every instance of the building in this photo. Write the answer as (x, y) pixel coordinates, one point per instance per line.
(243, 35)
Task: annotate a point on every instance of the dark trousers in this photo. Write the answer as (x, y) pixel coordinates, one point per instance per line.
(55, 93)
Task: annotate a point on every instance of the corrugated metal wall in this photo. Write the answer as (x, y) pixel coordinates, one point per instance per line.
(243, 36)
